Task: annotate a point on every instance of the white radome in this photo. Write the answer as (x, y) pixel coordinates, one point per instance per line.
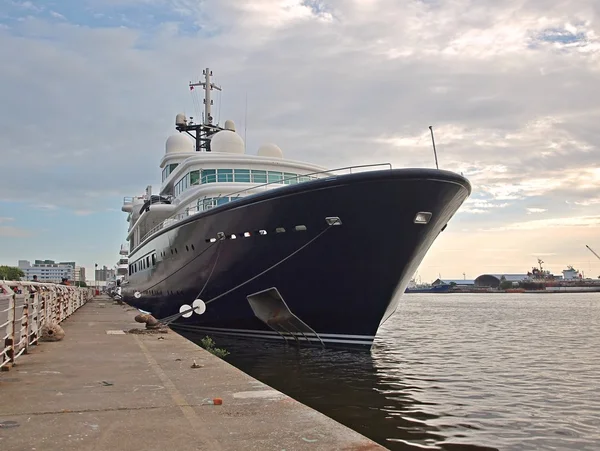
(180, 119)
(270, 150)
(179, 143)
(229, 125)
(227, 141)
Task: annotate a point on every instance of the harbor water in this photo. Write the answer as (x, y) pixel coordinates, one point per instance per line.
(456, 372)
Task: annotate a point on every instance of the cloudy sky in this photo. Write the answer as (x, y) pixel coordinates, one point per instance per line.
(89, 90)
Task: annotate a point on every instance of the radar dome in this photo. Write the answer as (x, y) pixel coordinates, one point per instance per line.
(227, 141)
(179, 143)
(270, 150)
(180, 119)
(229, 125)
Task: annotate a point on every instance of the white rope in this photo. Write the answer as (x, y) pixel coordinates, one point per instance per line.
(172, 318)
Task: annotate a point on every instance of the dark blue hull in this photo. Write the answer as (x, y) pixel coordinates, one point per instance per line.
(343, 285)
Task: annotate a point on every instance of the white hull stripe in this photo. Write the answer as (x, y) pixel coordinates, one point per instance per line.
(275, 335)
(271, 332)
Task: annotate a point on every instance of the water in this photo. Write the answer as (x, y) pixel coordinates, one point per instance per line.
(450, 372)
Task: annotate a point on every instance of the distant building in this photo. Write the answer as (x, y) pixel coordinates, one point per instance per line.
(494, 280)
(457, 282)
(104, 274)
(79, 274)
(47, 270)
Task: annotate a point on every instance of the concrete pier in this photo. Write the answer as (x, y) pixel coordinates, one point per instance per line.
(102, 389)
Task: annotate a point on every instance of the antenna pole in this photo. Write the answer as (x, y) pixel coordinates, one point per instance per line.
(208, 86)
(434, 151)
(245, 120)
(204, 130)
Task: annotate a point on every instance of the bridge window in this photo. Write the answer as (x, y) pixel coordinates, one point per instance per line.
(275, 177)
(259, 176)
(168, 169)
(209, 175)
(225, 175)
(289, 178)
(242, 175)
(198, 177)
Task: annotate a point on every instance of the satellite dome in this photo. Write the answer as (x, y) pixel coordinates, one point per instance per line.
(270, 150)
(229, 125)
(227, 141)
(179, 143)
(180, 119)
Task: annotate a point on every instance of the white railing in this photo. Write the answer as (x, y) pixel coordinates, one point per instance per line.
(262, 187)
(25, 307)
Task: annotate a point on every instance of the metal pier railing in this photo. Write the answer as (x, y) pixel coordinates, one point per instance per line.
(25, 307)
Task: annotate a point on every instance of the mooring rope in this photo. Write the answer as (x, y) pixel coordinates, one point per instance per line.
(179, 269)
(169, 319)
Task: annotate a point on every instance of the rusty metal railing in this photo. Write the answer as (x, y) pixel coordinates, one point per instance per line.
(25, 307)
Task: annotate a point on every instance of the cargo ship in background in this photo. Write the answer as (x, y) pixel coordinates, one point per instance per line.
(259, 246)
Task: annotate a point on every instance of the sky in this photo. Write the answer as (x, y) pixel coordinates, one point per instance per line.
(89, 90)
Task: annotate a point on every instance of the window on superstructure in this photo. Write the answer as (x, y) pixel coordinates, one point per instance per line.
(225, 175)
(259, 176)
(222, 200)
(242, 175)
(194, 178)
(275, 177)
(289, 178)
(209, 175)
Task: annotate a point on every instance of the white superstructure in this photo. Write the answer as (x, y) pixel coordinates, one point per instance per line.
(207, 169)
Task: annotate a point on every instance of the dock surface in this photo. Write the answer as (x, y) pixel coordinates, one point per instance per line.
(102, 389)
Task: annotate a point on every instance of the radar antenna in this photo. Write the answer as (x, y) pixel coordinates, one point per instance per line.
(202, 132)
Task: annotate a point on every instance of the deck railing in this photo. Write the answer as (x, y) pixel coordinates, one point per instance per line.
(25, 307)
(257, 188)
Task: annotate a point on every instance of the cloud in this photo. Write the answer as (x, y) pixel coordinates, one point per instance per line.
(13, 232)
(10, 231)
(57, 15)
(83, 212)
(510, 89)
(540, 224)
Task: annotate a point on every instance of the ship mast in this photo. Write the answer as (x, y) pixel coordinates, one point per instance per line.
(202, 132)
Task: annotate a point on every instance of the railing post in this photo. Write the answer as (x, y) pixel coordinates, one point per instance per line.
(25, 317)
(13, 322)
(35, 317)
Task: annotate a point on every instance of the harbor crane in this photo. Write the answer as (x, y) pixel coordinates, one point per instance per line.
(592, 251)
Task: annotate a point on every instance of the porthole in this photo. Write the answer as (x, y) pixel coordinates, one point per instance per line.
(246, 234)
(280, 230)
(193, 248)
(300, 228)
(187, 248)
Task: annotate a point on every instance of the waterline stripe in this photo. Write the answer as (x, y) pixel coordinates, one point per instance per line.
(270, 332)
(254, 334)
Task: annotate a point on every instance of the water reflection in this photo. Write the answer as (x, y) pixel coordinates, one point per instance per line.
(364, 391)
(516, 372)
